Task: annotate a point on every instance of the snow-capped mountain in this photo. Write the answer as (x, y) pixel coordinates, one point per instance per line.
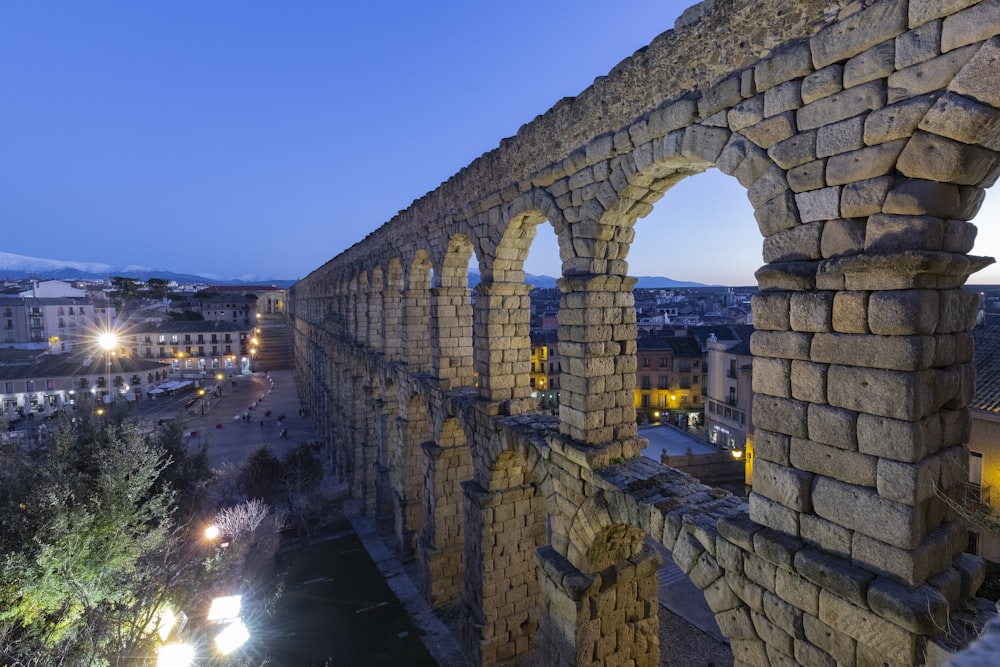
(18, 267)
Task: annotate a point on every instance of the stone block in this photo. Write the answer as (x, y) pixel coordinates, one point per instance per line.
(876, 63)
(811, 311)
(850, 312)
(797, 590)
(853, 34)
(832, 426)
(928, 76)
(899, 440)
(771, 310)
(963, 119)
(922, 610)
(864, 163)
(896, 121)
(771, 446)
(910, 566)
(798, 149)
(839, 645)
(850, 102)
(908, 483)
(705, 143)
(808, 176)
(863, 198)
(775, 638)
(721, 96)
(720, 596)
(827, 535)
(748, 592)
(897, 644)
(780, 415)
(771, 376)
(818, 205)
(750, 653)
(781, 344)
(742, 159)
(795, 244)
(891, 393)
(903, 312)
(808, 654)
(790, 63)
(777, 214)
(957, 311)
(770, 183)
(776, 548)
(834, 574)
(771, 514)
(861, 509)
(919, 44)
(976, 80)
(736, 624)
(771, 130)
(892, 352)
(848, 466)
(897, 233)
(809, 381)
(841, 137)
(937, 158)
(822, 83)
(781, 98)
(729, 556)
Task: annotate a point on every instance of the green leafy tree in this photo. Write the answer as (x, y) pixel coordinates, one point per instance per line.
(157, 288)
(124, 289)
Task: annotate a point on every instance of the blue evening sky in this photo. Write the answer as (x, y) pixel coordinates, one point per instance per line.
(261, 138)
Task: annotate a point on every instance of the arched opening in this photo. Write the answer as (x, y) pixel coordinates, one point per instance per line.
(451, 316)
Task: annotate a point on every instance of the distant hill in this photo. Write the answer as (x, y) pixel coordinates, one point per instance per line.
(20, 267)
(647, 282)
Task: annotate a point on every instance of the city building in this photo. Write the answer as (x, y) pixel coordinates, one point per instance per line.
(669, 379)
(728, 393)
(55, 323)
(545, 368)
(192, 348)
(983, 488)
(267, 298)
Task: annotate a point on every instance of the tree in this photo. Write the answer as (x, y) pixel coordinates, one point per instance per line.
(158, 288)
(125, 289)
(94, 545)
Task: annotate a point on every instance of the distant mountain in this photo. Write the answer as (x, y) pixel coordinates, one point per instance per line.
(647, 282)
(19, 267)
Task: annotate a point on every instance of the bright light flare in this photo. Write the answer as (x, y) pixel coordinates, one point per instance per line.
(212, 532)
(175, 655)
(233, 637)
(108, 341)
(737, 454)
(224, 608)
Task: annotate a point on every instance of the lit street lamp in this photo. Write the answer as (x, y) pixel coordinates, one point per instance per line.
(108, 341)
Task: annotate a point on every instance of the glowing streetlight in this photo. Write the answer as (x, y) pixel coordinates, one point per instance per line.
(108, 341)
(175, 655)
(212, 532)
(232, 637)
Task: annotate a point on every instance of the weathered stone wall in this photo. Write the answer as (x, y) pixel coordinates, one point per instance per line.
(865, 134)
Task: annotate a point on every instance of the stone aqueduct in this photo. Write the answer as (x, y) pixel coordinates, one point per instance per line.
(865, 133)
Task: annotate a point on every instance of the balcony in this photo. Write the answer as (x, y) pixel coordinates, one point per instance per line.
(977, 498)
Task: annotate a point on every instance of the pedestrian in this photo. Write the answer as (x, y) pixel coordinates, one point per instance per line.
(261, 424)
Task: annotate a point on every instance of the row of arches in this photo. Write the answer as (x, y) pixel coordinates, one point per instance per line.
(863, 171)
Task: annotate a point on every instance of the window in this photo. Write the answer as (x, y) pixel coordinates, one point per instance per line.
(8, 387)
(663, 362)
(645, 362)
(29, 385)
(50, 385)
(645, 400)
(663, 382)
(645, 382)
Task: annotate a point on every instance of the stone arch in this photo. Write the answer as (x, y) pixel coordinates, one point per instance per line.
(376, 309)
(393, 305)
(417, 312)
(413, 430)
(451, 315)
(448, 463)
(505, 525)
(386, 411)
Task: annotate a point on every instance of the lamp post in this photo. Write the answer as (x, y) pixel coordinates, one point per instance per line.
(108, 342)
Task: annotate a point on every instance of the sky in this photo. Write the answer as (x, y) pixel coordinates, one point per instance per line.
(259, 139)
